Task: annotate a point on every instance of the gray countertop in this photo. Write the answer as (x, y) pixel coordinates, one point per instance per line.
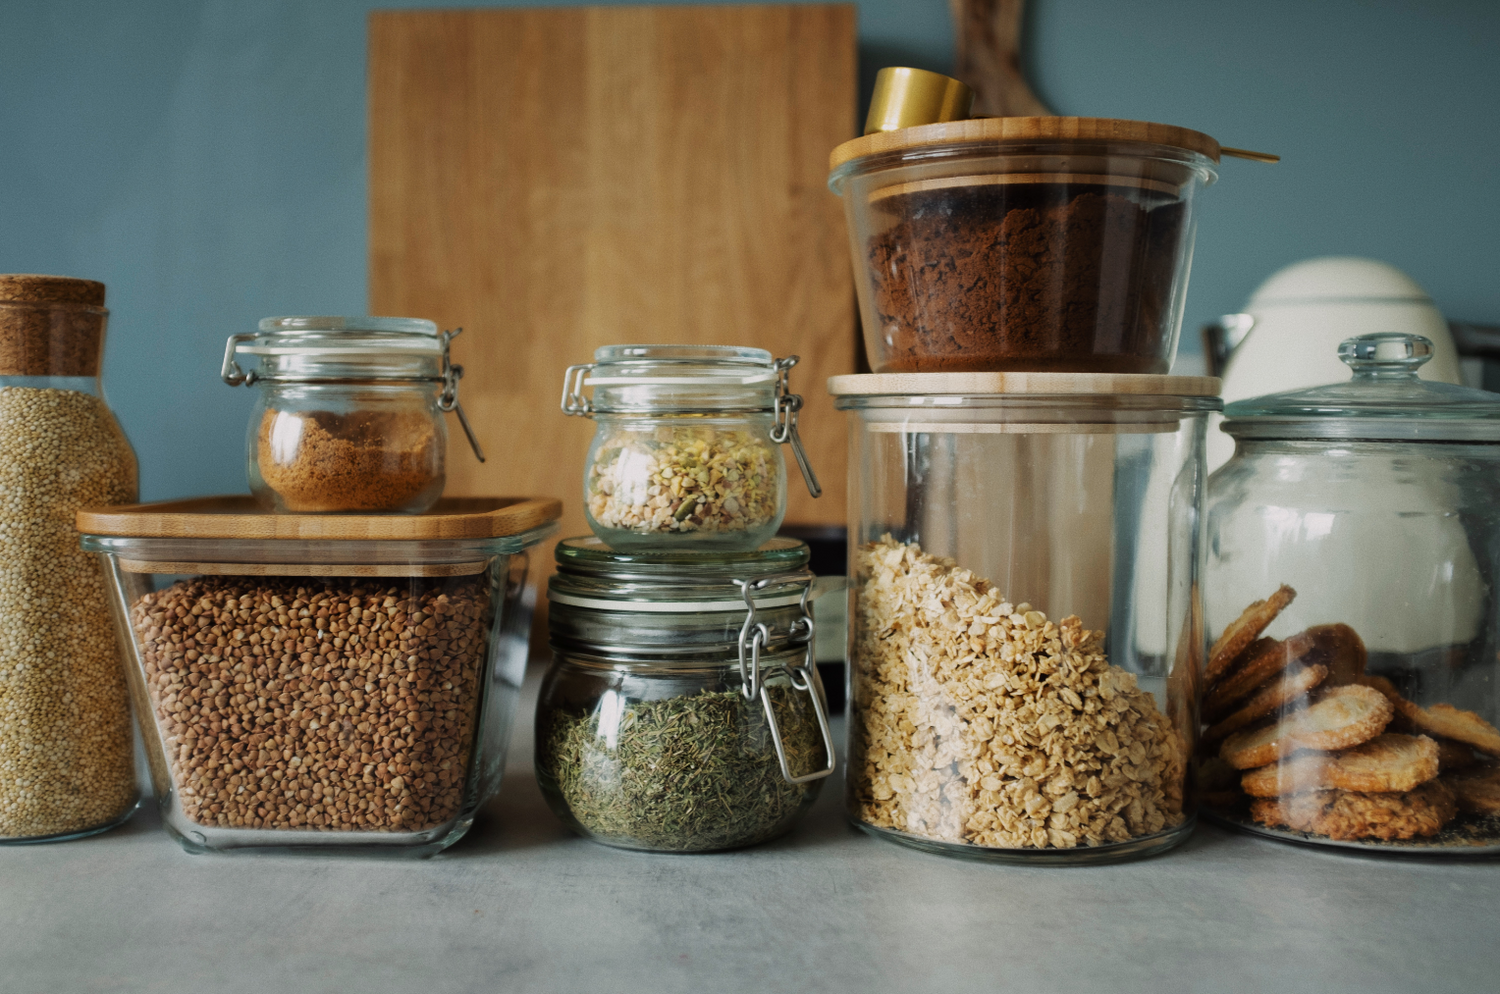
(522, 905)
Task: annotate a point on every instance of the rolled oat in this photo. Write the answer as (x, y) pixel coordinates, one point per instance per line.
(981, 721)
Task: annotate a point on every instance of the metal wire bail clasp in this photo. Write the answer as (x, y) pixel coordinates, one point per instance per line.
(573, 400)
(754, 636)
(786, 406)
(232, 373)
(448, 399)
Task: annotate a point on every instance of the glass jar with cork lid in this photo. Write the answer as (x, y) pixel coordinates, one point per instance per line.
(688, 451)
(67, 762)
(350, 414)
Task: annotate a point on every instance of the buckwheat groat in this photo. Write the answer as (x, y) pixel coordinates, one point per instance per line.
(981, 721)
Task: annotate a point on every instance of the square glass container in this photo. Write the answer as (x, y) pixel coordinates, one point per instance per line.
(320, 684)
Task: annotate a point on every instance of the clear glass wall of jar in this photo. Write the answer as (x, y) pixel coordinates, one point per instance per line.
(318, 684)
(687, 451)
(1024, 616)
(350, 415)
(67, 760)
(675, 716)
(1352, 690)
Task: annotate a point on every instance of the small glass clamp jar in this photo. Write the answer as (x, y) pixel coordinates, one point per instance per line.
(350, 415)
(1353, 693)
(682, 711)
(687, 451)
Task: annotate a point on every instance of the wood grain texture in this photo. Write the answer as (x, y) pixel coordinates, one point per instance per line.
(882, 384)
(240, 517)
(557, 180)
(1016, 129)
(988, 57)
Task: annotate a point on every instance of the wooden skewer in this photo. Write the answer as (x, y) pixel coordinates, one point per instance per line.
(1245, 153)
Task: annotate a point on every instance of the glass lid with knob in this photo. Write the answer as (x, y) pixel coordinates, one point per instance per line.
(1384, 400)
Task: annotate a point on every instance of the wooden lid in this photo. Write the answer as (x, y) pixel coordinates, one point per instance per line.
(29, 288)
(50, 325)
(1037, 384)
(1020, 129)
(240, 517)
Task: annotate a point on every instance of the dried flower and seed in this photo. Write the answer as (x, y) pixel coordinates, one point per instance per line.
(980, 721)
(684, 478)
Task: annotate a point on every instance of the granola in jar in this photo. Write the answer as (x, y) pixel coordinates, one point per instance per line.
(978, 721)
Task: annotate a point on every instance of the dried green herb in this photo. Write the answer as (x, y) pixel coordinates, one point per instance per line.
(689, 773)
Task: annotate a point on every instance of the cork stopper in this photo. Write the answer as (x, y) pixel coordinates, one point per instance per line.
(50, 325)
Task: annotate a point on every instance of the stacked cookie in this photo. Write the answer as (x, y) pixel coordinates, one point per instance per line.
(1297, 729)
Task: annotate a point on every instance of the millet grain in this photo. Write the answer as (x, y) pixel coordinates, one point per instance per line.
(66, 751)
(332, 705)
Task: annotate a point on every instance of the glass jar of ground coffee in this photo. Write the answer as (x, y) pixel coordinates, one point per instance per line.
(1038, 243)
(682, 711)
(350, 414)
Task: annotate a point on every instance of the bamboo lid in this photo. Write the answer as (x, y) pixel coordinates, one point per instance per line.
(1021, 129)
(50, 325)
(1035, 384)
(240, 517)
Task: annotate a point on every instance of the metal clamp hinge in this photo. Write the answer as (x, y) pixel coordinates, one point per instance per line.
(754, 636)
(448, 399)
(573, 400)
(785, 408)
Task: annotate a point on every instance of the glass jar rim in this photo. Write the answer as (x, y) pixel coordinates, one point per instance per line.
(689, 571)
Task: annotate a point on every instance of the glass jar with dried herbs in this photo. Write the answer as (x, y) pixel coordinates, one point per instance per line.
(688, 451)
(682, 711)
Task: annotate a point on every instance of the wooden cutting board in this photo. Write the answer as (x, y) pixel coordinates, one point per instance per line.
(556, 180)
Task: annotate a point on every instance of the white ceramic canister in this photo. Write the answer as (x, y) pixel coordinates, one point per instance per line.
(1294, 321)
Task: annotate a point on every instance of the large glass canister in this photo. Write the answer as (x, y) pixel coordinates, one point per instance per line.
(688, 450)
(349, 417)
(321, 683)
(1025, 637)
(67, 759)
(1353, 691)
(1023, 243)
(682, 711)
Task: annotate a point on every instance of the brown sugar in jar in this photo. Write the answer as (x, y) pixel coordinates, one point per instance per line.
(363, 461)
(1026, 276)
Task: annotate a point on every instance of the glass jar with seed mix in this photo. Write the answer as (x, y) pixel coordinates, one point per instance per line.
(67, 761)
(320, 683)
(682, 711)
(687, 453)
(350, 413)
(1025, 637)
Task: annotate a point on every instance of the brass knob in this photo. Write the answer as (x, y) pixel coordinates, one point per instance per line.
(905, 98)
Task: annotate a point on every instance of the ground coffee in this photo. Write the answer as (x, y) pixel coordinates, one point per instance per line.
(1025, 277)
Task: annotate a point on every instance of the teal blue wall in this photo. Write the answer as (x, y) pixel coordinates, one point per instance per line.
(205, 158)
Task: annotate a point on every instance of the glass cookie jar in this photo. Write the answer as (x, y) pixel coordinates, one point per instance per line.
(687, 452)
(350, 413)
(316, 683)
(1353, 691)
(682, 711)
(1025, 623)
